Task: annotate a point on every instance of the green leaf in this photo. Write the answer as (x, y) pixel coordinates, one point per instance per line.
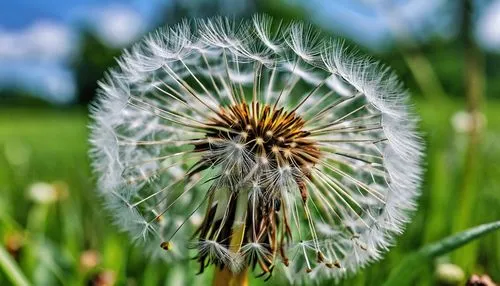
(11, 269)
(409, 267)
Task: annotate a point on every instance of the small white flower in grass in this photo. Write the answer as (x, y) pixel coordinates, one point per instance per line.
(450, 274)
(463, 121)
(260, 145)
(43, 193)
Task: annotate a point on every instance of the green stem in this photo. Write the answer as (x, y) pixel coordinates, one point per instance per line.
(11, 268)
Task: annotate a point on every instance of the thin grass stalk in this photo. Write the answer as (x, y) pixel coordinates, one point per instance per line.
(11, 269)
(474, 89)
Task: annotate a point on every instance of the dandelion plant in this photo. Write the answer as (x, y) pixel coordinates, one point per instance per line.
(256, 146)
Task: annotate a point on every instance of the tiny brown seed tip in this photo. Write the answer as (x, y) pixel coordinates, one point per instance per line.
(166, 245)
(286, 262)
(321, 257)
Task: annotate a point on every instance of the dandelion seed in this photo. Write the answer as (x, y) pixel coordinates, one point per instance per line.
(259, 145)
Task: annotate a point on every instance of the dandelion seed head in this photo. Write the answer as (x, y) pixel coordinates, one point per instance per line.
(256, 144)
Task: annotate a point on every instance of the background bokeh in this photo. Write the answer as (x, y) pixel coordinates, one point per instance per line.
(53, 52)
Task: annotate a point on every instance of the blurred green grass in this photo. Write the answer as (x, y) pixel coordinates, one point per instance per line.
(50, 145)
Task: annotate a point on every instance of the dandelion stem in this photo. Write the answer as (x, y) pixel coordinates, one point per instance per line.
(225, 277)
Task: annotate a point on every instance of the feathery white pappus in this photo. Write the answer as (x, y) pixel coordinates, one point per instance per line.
(256, 145)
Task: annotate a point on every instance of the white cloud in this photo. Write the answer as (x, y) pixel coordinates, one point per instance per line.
(488, 26)
(43, 40)
(59, 86)
(35, 57)
(118, 26)
(48, 80)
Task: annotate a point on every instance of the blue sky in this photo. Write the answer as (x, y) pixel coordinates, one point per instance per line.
(376, 23)
(38, 37)
(21, 13)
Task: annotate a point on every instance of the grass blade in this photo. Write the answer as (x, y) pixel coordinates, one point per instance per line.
(11, 269)
(410, 266)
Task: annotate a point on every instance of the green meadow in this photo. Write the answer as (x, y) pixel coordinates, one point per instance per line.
(70, 240)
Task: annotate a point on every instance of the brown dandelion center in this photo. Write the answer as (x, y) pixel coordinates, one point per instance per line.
(270, 134)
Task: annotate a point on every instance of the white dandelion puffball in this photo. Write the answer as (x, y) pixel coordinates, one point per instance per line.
(257, 145)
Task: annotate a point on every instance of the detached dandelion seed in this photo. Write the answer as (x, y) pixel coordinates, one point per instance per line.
(258, 145)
